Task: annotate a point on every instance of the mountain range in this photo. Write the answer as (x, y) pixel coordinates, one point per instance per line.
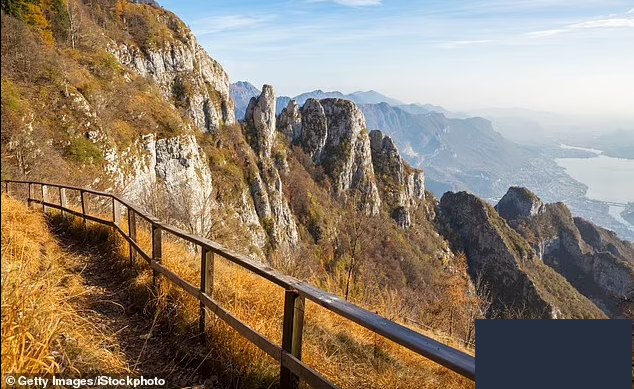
(459, 152)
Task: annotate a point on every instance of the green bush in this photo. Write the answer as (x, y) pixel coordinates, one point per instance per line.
(84, 151)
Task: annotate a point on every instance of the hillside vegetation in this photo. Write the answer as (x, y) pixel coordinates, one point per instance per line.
(346, 353)
(44, 301)
(72, 113)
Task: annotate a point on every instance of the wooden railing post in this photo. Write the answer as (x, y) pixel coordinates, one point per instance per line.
(206, 285)
(132, 233)
(116, 212)
(62, 199)
(292, 329)
(84, 206)
(156, 249)
(30, 199)
(44, 197)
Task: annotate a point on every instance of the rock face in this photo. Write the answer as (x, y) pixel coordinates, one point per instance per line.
(266, 186)
(520, 285)
(170, 170)
(333, 133)
(184, 72)
(400, 185)
(592, 259)
(519, 202)
(260, 122)
(290, 121)
(171, 179)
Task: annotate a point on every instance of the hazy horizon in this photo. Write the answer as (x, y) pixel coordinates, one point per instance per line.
(562, 56)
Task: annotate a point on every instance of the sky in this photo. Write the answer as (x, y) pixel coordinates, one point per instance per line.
(565, 56)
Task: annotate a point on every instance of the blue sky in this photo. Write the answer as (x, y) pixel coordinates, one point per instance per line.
(569, 56)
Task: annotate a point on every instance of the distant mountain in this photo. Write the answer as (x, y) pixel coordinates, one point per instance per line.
(628, 213)
(457, 154)
(421, 109)
(243, 91)
(618, 144)
(372, 97)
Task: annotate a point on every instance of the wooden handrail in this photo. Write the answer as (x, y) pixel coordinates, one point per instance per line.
(289, 353)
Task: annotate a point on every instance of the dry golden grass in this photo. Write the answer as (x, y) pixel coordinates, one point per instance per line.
(345, 353)
(43, 331)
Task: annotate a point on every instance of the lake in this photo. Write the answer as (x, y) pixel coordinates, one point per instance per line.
(607, 178)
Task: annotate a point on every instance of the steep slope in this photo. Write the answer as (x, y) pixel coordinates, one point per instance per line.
(520, 284)
(266, 185)
(170, 55)
(592, 259)
(332, 132)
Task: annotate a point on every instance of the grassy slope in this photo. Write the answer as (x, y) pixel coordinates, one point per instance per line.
(346, 353)
(43, 328)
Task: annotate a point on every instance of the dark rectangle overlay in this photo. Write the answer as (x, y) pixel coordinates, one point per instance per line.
(544, 354)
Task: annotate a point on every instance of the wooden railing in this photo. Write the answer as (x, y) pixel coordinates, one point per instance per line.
(288, 354)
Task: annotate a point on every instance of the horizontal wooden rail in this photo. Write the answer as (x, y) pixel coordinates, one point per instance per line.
(289, 354)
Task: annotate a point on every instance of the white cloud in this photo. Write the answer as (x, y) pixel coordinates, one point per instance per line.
(352, 3)
(544, 33)
(228, 22)
(605, 23)
(592, 24)
(630, 11)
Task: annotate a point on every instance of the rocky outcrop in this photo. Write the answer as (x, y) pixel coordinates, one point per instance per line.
(169, 170)
(171, 179)
(260, 122)
(314, 129)
(266, 185)
(519, 202)
(184, 72)
(520, 285)
(333, 133)
(289, 122)
(592, 259)
(400, 185)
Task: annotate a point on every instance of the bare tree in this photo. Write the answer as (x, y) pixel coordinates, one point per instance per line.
(75, 21)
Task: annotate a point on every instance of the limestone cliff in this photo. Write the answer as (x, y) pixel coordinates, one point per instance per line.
(169, 170)
(183, 71)
(333, 134)
(290, 121)
(266, 185)
(592, 259)
(400, 185)
(520, 284)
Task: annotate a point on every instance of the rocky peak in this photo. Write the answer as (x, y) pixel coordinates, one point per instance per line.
(266, 187)
(314, 129)
(598, 264)
(260, 121)
(519, 202)
(401, 186)
(183, 71)
(289, 121)
(333, 134)
(520, 284)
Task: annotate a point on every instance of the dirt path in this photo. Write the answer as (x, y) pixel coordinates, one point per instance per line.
(110, 307)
